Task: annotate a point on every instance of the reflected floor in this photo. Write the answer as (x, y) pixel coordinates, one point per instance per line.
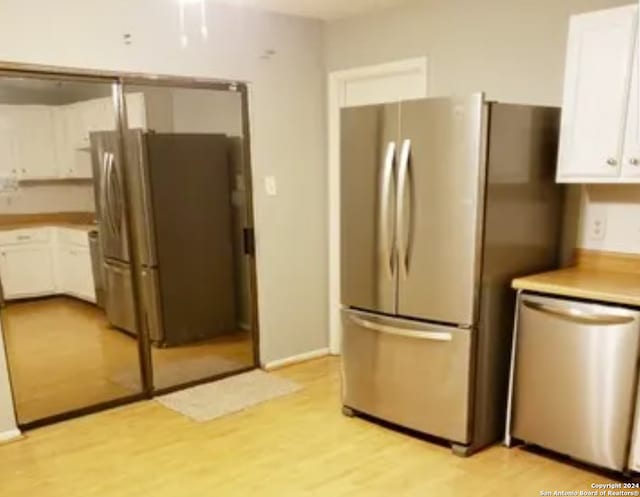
(63, 355)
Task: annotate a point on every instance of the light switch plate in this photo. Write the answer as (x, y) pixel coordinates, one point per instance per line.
(270, 186)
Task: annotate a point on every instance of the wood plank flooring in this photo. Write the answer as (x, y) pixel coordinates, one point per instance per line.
(63, 355)
(299, 445)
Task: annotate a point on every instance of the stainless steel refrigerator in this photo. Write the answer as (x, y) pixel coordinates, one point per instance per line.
(180, 206)
(443, 202)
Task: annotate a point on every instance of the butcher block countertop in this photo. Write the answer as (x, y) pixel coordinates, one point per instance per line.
(604, 276)
(75, 220)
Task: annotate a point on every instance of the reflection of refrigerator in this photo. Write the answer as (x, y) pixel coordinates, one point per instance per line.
(444, 201)
(181, 219)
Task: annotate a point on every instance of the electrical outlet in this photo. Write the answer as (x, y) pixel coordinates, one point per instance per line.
(596, 224)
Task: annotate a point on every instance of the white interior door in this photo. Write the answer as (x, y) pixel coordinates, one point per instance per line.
(384, 83)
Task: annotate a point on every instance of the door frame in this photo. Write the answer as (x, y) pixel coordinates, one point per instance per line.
(335, 100)
(119, 80)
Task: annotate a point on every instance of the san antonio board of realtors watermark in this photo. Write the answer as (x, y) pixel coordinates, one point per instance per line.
(601, 489)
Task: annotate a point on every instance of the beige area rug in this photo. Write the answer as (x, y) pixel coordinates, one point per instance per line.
(233, 394)
(180, 371)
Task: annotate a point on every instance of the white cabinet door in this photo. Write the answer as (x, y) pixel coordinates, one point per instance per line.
(75, 272)
(26, 271)
(596, 87)
(35, 148)
(631, 152)
(63, 136)
(8, 166)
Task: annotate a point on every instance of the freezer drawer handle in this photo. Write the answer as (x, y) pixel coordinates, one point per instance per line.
(392, 330)
(578, 316)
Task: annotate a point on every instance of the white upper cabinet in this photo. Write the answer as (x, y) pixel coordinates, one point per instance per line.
(40, 142)
(7, 142)
(27, 145)
(596, 96)
(630, 167)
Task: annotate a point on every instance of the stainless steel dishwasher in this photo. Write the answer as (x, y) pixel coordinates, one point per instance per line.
(574, 378)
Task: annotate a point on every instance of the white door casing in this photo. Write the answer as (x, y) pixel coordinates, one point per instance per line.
(383, 83)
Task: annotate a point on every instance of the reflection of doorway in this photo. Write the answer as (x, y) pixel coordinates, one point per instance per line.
(68, 352)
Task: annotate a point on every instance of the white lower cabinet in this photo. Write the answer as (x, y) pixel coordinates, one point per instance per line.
(75, 272)
(58, 264)
(27, 270)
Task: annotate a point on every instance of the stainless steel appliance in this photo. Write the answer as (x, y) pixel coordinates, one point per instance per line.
(97, 267)
(634, 451)
(575, 378)
(444, 201)
(181, 219)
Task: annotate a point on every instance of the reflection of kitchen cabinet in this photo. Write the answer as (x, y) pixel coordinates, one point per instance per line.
(7, 141)
(27, 145)
(27, 270)
(35, 145)
(49, 142)
(77, 121)
(596, 98)
(76, 276)
(46, 261)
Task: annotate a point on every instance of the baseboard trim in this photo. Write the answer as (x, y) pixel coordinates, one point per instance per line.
(10, 436)
(288, 361)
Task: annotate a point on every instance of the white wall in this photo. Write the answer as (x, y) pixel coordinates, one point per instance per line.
(512, 50)
(287, 113)
(207, 111)
(52, 196)
(617, 208)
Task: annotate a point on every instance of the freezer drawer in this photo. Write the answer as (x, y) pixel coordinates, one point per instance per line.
(574, 378)
(409, 373)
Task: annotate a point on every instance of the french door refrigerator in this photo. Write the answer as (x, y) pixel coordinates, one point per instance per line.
(181, 210)
(443, 202)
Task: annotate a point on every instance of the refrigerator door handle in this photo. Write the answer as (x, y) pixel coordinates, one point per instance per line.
(386, 240)
(109, 196)
(578, 316)
(106, 182)
(401, 237)
(116, 207)
(437, 336)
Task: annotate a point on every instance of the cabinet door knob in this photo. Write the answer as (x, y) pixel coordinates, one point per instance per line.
(611, 161)
(634, 161)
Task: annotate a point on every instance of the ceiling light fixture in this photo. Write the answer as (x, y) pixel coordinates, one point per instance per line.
(204, 30)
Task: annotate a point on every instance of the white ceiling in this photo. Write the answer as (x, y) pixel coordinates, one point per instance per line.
(319, 9)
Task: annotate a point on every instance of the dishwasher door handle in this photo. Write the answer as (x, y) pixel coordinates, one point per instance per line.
(579, 316)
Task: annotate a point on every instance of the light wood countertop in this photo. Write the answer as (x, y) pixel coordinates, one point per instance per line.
(76, 220)
(602, 276)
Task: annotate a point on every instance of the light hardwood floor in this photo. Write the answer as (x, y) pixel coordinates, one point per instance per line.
(299, 445)
(63, 355)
